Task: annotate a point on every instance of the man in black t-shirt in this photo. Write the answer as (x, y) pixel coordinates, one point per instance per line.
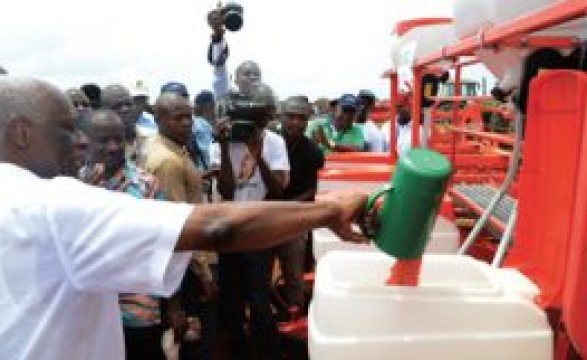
(305, 159)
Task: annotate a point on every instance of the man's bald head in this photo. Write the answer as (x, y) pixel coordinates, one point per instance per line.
(103, 117)
(113, 94)
(247, 74)
(167, 102)
(33, 99)
(36, 125)
(118, 98)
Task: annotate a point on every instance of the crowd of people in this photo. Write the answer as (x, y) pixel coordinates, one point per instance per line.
(180, 150)
(85, 266)
(219, 301)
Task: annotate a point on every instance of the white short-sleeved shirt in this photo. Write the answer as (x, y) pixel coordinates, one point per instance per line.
(403, 137)
(248, 180)
(373, 137)
(66, 251)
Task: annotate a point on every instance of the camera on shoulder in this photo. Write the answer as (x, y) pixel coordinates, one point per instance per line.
(245, 114)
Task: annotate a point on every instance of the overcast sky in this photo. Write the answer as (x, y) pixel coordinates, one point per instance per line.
(316, 47)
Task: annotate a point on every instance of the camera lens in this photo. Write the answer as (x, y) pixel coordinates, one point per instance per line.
(233, 16)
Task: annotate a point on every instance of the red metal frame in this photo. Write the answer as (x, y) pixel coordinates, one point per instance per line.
(516, 33)
(498, 138)
(402, 27)
(560, 42)
(416, 107)
(393, 100)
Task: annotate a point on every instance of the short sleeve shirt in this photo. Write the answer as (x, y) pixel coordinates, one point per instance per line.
(173, 167)
(67, 250)
(305, 159)
(248, 180)
(353, 136)
(202, 138)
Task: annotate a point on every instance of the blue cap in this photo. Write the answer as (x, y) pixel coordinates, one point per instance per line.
(348, 100)
(205, 97)
(176, 88)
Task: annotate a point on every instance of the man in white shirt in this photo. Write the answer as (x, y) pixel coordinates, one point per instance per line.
(247, 73)
(67, 249)
(403, 132)
(374, 139)
(251, 169)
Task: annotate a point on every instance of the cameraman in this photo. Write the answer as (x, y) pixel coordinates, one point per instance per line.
(252, 170)
(247, 73)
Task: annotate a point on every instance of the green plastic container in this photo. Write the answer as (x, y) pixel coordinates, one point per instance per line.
(412, 199)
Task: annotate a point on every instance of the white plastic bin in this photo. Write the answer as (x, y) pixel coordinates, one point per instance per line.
(462, 310)
(444, 240)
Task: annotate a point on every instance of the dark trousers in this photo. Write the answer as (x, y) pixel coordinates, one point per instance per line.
(143, 343)
(245, 278)
(291, 257)
(191, 292)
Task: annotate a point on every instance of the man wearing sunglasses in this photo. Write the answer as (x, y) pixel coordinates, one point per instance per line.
(341, 134)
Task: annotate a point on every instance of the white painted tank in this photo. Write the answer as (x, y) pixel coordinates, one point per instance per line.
(462, 310)
(443, 240)
(470, 16)
(424, 40)
(415, 43)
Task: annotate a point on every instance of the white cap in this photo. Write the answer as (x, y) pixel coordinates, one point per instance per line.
(139, 88)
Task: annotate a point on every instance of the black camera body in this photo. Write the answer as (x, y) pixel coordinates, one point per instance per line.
(232, 16)
(244, 113)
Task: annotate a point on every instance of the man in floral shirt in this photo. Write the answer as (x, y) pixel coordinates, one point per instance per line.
(109, 168)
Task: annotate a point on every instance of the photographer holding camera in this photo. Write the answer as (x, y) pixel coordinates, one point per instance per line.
(247, 73)
(254, 166)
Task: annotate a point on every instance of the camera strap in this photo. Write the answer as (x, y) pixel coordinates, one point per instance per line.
(248, 167)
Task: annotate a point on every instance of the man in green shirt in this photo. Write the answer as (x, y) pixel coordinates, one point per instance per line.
(340, 134)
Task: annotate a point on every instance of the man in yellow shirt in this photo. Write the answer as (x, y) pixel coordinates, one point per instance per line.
(167, 157)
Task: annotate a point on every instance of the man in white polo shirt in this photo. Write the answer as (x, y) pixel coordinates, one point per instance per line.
(67, 249)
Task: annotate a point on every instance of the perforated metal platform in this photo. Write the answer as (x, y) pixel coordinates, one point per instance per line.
(481, 196)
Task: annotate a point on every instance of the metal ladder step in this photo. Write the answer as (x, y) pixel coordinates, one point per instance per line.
(481, 195)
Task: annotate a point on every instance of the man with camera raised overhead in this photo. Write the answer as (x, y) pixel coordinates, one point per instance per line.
(248, 73)
(253, 165)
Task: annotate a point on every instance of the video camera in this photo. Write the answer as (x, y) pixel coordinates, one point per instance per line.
(231, 16)
(244, 112)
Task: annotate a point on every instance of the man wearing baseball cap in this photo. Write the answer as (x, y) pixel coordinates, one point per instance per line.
(175, 88)
(341, 134)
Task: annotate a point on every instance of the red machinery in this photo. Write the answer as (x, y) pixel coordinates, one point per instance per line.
(551, 234)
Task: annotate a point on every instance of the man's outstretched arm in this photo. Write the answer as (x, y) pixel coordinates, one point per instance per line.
(250, 226)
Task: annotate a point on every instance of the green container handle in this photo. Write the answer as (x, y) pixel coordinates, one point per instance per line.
(370, 221)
